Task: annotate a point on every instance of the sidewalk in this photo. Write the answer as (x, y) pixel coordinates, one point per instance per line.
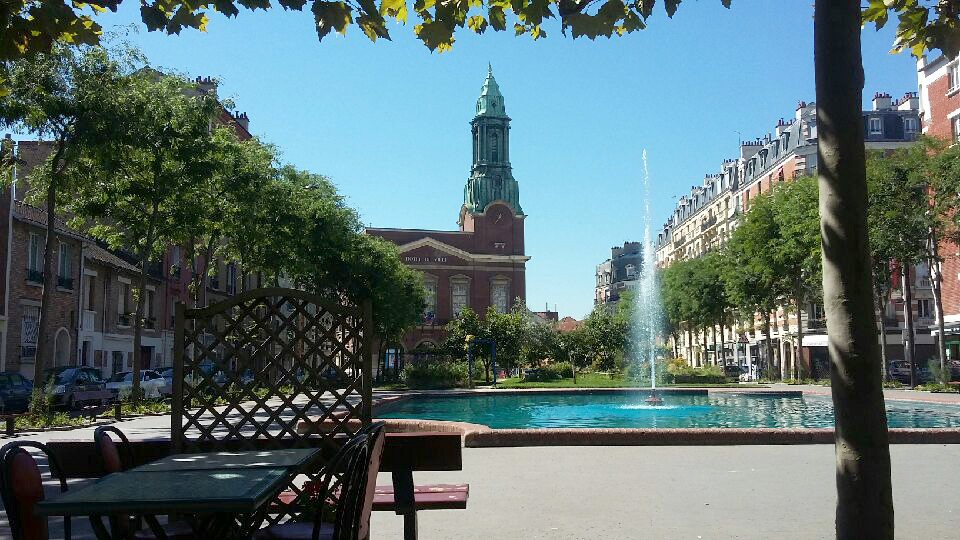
(685, 492)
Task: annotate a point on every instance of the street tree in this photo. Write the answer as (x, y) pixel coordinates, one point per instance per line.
(60, 97)
(154, 151)
(752, 276)
(942, 172)
(217, 210)
(797, 249)
(865, 502)
(900, 224)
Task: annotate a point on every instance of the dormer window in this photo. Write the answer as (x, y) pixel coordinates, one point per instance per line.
(910, 124)
(876, 126)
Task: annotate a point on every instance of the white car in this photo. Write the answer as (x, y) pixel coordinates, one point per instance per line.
(121, 384)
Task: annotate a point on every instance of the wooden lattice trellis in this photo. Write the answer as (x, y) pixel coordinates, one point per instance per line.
(253, 366)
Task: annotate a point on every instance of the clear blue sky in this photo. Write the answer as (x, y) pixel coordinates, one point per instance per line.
(388, 122)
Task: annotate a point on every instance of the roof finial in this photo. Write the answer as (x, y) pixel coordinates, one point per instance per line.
(489, 69)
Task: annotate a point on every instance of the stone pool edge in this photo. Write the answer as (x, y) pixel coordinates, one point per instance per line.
(481, 436)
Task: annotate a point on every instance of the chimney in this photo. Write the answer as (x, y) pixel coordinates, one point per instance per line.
(243, 120)
(207, 85)
(881, 101)
(782, 126)
(909, 102)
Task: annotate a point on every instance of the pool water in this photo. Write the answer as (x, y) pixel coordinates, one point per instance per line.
(587, 410)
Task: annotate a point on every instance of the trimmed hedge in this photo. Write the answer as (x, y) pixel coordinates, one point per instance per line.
(699, 379)
(435, 374)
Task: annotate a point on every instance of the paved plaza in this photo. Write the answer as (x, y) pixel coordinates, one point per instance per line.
(695, 492)
(671, 492)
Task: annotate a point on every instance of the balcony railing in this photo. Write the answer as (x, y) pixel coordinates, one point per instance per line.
(64, 282)
(35, 276)
(816, 324)
(679, 240)
(708, 223)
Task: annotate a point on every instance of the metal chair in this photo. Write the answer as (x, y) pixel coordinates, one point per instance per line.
(357, 462)
(21, 487)
(118, 460)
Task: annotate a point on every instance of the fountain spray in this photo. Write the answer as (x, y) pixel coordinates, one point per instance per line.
(647, 300)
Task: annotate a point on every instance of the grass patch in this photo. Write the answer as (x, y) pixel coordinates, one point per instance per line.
(43, 421)
(392, 387)
(145, 407)
(936, 388)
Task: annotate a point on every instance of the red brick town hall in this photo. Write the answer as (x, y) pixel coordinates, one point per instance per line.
(483, 263)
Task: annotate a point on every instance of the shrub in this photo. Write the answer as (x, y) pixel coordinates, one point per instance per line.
(893, 384)
(435, 374)
(550, 372)
(935, 388)
(699, 375)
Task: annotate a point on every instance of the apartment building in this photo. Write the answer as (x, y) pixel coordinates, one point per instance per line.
(94, 302)
(938, 82)
(619, 273)
(704, 218)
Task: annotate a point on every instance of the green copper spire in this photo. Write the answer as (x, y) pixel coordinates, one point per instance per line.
(491, 178)
(490, 101)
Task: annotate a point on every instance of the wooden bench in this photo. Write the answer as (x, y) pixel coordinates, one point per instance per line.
(426, 497)
(403, 453)
(10, 423)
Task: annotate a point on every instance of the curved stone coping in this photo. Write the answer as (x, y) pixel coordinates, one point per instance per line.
(481, 436)
(686, 436)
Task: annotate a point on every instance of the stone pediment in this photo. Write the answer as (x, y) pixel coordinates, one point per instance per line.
(432, 251)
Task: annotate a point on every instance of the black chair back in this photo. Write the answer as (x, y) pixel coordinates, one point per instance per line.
(13, 473)
(115, 459)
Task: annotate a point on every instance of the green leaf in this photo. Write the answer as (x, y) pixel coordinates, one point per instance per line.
(394, 8)
(331, 15)
(497, 18)
(477, 23)
(671, 6)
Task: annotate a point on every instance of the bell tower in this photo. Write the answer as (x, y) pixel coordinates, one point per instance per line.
(491, 178)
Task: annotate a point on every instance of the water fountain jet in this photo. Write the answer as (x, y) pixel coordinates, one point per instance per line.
(646, 313)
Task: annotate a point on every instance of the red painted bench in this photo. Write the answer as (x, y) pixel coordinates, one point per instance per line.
(426, 497)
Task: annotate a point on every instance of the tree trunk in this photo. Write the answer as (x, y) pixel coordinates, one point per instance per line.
(801, 369)
(936, 281)
(881, 303)
(49, 279)
(908, 345)
(716, 359)
(864, 492)
(768, 345)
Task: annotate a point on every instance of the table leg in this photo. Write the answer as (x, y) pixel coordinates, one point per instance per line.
(99, 529)
(155, 527)
(406, 504)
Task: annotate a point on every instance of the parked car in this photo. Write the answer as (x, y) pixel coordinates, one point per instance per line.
(15, 391)
(732, 372)
(167, 374)
(151, 383)
(954, 367)
(76, 386)
(900, 371)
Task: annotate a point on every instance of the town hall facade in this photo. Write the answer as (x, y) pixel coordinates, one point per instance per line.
(483, 263)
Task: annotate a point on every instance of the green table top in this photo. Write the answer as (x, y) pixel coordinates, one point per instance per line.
(289, 458)
(237, 490)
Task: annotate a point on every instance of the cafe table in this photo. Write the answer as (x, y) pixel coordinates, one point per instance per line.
(214, 489)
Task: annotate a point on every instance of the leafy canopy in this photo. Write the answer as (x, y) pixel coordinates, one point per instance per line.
(31, 26)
